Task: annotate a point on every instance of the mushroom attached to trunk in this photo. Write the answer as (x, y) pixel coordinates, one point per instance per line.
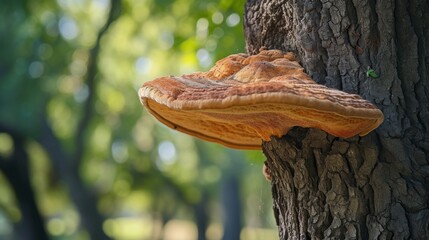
(245, 99)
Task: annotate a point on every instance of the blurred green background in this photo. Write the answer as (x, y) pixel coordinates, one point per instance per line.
(79, 156)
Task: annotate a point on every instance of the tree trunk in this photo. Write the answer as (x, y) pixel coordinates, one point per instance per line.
(83, 198)
(372, 187)
(16, 169)
(201, 216)
(230, 198)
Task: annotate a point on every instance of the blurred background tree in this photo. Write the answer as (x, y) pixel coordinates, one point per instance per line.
(81, 159)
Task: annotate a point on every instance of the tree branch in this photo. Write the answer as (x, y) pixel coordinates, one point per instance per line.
(68, 165)
(91, 81)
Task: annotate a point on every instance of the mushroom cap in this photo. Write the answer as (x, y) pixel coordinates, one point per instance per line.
(245, 99)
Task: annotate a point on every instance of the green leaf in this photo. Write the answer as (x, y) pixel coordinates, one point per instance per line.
(371, 73)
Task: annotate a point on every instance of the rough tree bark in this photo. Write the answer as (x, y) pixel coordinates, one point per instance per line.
(372, 187)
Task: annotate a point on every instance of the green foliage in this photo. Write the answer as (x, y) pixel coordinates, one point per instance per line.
(134, 164)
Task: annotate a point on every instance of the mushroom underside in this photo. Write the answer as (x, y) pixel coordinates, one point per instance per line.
(245, 126)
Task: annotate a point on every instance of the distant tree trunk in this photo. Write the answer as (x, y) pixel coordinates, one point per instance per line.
(201, 216)
(83, 198)
(372, 187)
(16, 169)
(230, 198)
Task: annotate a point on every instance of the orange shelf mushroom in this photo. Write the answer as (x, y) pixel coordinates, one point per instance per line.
(245, 99)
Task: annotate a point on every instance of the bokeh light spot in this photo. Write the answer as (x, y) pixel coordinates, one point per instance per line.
(233, 20)
(6, 145)
(68, 28)
(218, 32)
(78, 68)
(217, 18)
(143, 65)
(167, 152)
(119, 151)
(166, 40)
(202, 28)
(204, 57)
(56, 226)
(35, 69)
(82, 94)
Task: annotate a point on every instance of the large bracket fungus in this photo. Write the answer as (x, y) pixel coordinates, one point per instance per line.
(245, 99)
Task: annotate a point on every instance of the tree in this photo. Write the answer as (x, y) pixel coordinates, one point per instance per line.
(372, 187)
